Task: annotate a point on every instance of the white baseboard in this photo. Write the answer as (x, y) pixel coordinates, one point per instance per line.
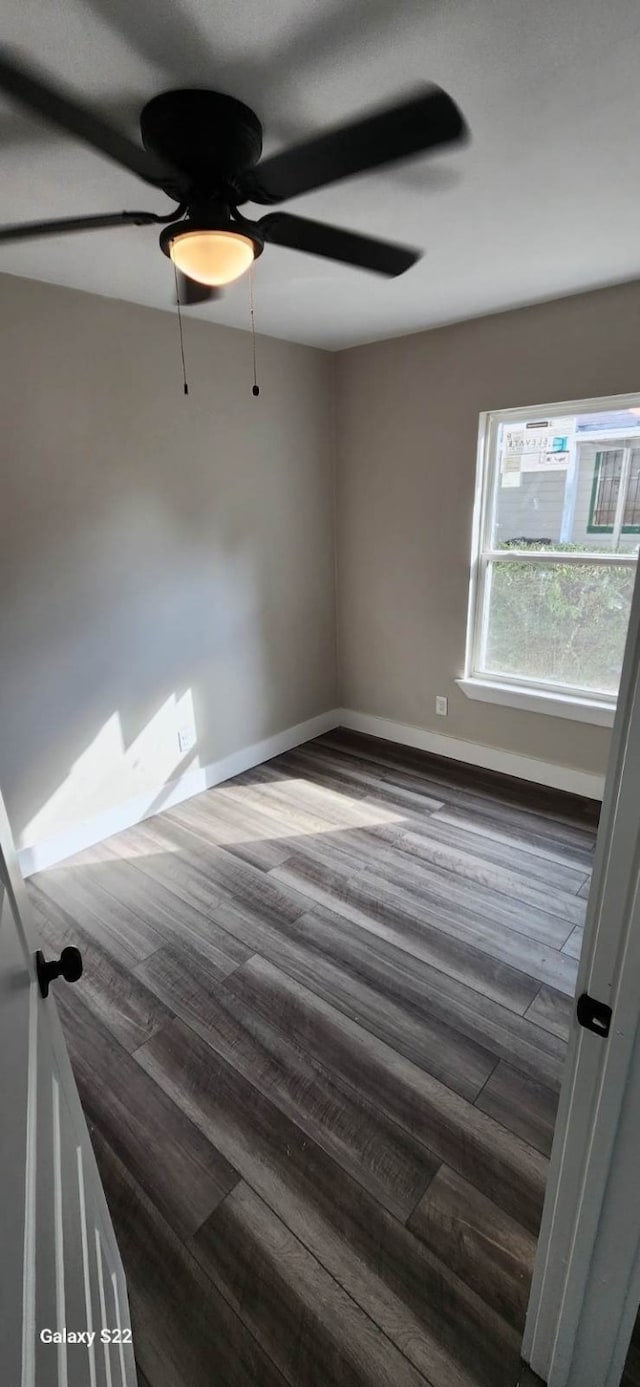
(46, 853)
(59, 846)
(489, 757)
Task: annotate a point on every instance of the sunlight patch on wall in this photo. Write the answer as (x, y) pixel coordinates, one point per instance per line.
(108, 772)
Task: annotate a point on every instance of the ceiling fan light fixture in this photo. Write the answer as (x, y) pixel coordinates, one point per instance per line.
(210, 256)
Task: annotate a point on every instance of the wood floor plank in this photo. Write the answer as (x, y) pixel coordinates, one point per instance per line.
(496, 941)
(511, 830)
(430, 996)
(417, 929)
(184, 1331)
(552, 1010)
(370, 1146)
(205, 876)
(461, 1062)
(421, 847)
(573, 946)
(383, 788)
(151, 849)
(475, 842)
(296, 808)
(447, 1054)
(276, 1286)
(522, 1105)
(333, 798)
(172, 918)
(569, 819)
(111, 926)
(480, 1149)
(585, 888)
(487, 1248)
(508, 791)
(440, 1325)
(234, 825)
(458, 957)
(130, 1010)
(410, 924)
(434, 889)
(165, 1153)
(429, 895)
(306, 805)
(431, 900)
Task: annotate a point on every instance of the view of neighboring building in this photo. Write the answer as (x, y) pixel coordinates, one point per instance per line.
(570, 480)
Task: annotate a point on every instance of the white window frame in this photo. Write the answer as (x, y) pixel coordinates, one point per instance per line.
(511, 690)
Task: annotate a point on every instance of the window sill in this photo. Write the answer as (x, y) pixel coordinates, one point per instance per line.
(538, 701)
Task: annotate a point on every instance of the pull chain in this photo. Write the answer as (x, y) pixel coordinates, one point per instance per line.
(255, 388)
(184, 369)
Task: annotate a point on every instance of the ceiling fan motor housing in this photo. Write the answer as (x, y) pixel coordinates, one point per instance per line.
(203, 149)
(214, 138)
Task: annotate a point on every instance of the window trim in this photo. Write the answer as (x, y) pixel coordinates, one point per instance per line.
(604, 529)
(558, 703)
(508, 690)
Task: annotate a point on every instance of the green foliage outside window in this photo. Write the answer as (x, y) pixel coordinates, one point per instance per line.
(562, 623)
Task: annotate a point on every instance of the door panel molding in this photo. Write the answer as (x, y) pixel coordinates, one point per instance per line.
(53, 1209)
(30, 1196)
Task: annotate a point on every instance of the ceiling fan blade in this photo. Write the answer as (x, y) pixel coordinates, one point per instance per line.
(190, 292)
(427, 120)
(49, 101)
(30, 231)
(298, 233)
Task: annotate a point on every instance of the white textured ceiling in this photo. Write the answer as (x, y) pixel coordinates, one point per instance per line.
(543, 202)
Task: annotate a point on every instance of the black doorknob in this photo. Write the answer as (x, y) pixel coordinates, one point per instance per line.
(68, 966)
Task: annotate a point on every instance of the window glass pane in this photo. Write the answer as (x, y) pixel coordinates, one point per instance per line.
(557, 482)
(606, 487)
(560, 623)
(632, 508)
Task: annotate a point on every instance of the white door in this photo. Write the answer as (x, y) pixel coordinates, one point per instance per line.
(586, 1285)
(60, 1270)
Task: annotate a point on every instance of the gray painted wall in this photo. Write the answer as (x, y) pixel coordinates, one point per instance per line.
(407, 428)
(154, 548)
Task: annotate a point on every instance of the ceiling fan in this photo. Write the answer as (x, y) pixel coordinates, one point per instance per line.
(202, 148)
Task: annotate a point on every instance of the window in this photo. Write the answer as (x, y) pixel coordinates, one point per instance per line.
(557, 530)
(615, 473)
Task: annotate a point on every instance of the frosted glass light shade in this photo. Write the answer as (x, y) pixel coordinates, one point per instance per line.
(212, 257)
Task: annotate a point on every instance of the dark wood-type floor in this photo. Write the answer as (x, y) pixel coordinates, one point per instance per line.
(319, 1040)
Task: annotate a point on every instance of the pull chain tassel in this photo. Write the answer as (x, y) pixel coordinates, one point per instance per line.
(255, 388)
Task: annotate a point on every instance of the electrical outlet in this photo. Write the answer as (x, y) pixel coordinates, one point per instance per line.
(442, 705)
(186, 738)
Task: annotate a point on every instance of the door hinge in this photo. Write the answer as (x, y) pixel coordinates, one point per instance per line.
(593, 1015)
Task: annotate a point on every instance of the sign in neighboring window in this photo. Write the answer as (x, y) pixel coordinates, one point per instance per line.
(610, 473)
(535, 447)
